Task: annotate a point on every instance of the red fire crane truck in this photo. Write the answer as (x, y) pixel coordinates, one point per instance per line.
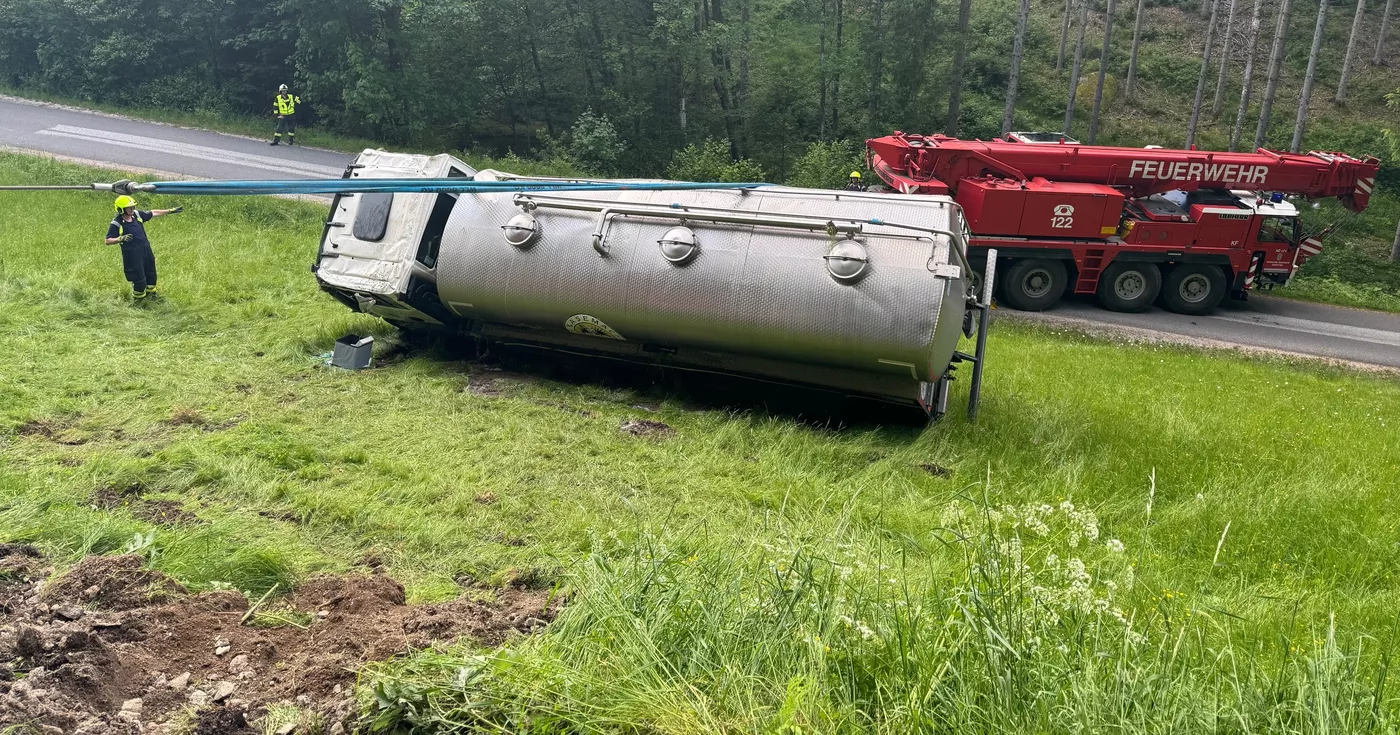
(1127, 224)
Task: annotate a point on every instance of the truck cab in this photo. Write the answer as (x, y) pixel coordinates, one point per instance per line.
(379, 252)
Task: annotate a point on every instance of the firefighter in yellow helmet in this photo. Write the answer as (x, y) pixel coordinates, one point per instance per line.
(854, 183)
(284, 106)
(128, 229)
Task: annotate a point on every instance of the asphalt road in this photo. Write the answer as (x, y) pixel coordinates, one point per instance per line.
(1262, 322)
(148, 146)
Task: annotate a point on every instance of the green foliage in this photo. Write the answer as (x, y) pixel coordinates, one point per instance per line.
(710, 161)
(828, 165)
(594, 144)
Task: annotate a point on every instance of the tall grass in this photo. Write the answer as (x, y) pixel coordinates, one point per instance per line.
(1010, 624)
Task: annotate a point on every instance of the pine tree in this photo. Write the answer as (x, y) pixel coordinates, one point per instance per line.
(1275, 69)
(1064, 33)
(1018, 49)
(1248, 76)
(1351, 48)
(1306, 97)
(1078, 65)
(1380, 37)
(1224, 61)
(959, 61)
(1133, 57)
(1205, 71)
(1103, 71)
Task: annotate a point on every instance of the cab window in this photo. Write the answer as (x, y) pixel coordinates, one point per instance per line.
(1279, 229)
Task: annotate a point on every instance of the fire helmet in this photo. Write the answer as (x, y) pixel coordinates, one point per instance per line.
(855, 174)
(125, 201)
(282, 88)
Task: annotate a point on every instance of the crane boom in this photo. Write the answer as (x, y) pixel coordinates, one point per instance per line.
(928, 164)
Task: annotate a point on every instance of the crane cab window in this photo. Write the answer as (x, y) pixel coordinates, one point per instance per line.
(431, 241)
(372, 217)
(1278, 230)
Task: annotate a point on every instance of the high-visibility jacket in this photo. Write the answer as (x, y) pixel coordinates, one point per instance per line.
(286, 104)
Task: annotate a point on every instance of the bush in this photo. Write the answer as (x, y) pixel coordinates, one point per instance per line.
(711, 162)
(594, 145)
(827, 165)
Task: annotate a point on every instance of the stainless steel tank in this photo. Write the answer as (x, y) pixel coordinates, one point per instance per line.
(853, 291)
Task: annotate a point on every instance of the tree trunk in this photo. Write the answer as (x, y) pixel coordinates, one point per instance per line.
(539, 70)
(877, 73)
(1018, 49)
(1248, 76)
(1133, 57)
(1064, 31)
(960, 61)
(1306, 97)
(1103, 71)
(1078, 63)
(1219, 100)
(1275, 69)
(836, 80)
(1380, 39)
(821, 74)
(1395, 247)
(1205, 71)
(1351, 47)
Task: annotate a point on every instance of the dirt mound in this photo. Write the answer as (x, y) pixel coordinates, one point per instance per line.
(112, 647)
(112, 583)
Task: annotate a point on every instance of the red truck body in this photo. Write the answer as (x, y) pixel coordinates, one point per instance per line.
(1128, 224)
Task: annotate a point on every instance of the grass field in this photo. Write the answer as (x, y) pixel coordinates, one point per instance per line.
(1131, 539)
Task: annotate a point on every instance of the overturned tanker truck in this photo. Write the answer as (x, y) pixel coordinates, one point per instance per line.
(863, 294)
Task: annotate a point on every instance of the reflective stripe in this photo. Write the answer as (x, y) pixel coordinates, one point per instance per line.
(287, 105)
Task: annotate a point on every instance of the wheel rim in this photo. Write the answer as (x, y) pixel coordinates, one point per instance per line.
(1194, 288)
(1130, 286)
(1037, 283)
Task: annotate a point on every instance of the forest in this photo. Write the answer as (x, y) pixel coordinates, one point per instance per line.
(620, 86)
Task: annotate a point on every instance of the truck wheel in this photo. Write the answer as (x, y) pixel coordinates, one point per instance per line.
(1034, 284)
(1194, 289)
(1129, 287)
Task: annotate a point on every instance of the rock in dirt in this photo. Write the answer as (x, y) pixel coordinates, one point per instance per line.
(179, 683)
(223, 690)
(132, 705)
(239, 664)
(67, 612)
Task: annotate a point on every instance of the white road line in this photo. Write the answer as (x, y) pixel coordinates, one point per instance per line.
(1322, 329)
(190, 150)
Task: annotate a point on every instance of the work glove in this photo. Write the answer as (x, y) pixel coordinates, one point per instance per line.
(176, 210)
(126, 238)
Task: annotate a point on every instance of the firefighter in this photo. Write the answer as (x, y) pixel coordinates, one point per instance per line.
(128, 229)
(854, 183)
(284, 106)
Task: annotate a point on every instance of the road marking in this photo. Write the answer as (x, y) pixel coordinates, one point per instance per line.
(190, 150)
(1322, 329)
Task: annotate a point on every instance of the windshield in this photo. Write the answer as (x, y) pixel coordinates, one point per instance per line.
(1279, 229)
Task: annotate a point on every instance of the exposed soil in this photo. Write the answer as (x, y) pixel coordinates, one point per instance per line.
(113, 647)
(51, 430)
(646, 427)
(131, 497)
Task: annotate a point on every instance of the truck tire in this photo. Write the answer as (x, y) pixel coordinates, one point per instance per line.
(1129, 287)
(1194, 289)
(1034, 284)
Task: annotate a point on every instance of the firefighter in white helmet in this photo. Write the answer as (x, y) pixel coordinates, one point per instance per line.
(284, 106)
(128, 229)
